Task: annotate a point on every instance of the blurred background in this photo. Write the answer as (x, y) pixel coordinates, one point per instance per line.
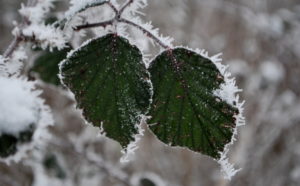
(260, 41)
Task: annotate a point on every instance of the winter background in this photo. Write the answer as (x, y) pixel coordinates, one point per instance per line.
(260, 41)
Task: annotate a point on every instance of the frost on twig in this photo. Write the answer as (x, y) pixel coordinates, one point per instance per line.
(79, 5)
(46, 36)
(130, 16)
(36, 30)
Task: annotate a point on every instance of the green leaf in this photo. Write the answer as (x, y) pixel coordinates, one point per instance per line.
(46, 65)
(185, 112)
(111, 85)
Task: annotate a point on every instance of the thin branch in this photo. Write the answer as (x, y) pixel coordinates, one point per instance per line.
(148, 33)
(113, 8)
(12, 47)
(124, 7)
(100, 24)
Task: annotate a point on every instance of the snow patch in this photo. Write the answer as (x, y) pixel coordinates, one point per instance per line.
(21, 107)
(18, 107)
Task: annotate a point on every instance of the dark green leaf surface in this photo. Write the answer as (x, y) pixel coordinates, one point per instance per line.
(46, 65)
(184, 111)
(111, 85)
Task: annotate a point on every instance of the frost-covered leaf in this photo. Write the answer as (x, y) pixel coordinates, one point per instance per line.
(110, 83)
(185, 111)
(46, 65)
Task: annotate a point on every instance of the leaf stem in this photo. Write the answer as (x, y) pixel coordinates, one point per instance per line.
(119, 19)
(145, 31)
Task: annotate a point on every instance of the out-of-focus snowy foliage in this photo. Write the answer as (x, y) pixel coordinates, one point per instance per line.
(35, 13)
(260, 43)
(21, 111)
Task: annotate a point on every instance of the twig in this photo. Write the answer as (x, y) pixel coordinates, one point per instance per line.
(113, 7)
(100, 24)
(118, 18)
(12, 46)
(124, 7)
(18, 39)
(148, 33)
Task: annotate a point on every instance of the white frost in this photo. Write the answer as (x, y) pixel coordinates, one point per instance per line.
(17, 106)
(78, 5)
(13, 65)
(20, 107)
(46, 35)
(37, 13)
(228, 92)
(129, 152)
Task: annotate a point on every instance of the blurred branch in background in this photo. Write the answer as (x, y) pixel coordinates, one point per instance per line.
(260, 40)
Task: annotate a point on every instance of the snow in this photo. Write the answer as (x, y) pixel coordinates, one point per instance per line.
(18, 107)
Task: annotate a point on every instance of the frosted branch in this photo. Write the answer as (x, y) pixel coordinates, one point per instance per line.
(125, 6)
(145, 31)
(92, 25)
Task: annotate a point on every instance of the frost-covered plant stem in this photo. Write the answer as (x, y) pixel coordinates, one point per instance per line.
(12, 47)
(118, 18)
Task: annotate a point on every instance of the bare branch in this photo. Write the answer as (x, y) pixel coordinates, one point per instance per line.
(145, 31)
(101, 24)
